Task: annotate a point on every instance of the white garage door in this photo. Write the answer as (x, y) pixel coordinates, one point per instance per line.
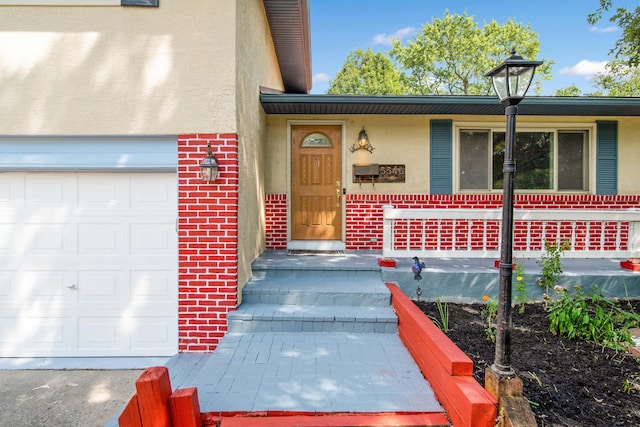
(88, 264)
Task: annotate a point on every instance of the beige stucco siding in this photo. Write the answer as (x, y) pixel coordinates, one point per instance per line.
(256, 66)
(118, 70)
(405, 140)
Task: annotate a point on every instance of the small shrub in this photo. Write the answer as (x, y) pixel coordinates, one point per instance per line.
(490, 315)
(550, 263)
(591, 317)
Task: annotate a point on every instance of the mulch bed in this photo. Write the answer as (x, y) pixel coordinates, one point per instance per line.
(569, 383)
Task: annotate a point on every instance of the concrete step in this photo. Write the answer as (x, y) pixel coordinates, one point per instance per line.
(321, 318)
(325, 288)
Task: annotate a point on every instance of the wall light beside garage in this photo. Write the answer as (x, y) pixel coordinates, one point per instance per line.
(209, 168)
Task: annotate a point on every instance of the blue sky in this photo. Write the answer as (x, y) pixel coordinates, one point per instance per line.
(578, 49)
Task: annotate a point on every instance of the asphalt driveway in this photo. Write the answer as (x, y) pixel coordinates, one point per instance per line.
(63, 397)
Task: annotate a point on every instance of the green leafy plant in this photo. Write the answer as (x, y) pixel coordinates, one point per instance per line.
(443, 311)
(631, 384)
(520, 288)
(550, 263)
(490, 315)
(592, 317)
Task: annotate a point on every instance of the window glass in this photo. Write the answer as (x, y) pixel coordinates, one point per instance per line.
(474, 160)
(551, 160)
(572, 164)
(316, 140)
(533, 153)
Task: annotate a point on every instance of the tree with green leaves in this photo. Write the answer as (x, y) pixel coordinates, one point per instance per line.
(627, 48)
(572, 90)
(619, 80)
(451, 55)
(368, 73)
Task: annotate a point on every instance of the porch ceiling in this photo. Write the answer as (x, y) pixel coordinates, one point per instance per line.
(472, 105)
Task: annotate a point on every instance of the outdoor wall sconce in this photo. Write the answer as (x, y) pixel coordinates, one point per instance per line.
(362, 143)
(209, 167)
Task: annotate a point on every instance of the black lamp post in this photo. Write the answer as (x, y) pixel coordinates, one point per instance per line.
(511, 80)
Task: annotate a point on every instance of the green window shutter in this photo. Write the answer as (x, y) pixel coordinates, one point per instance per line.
(441, 157)
(607, 158)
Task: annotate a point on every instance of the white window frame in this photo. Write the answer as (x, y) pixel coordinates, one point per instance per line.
(527, 127)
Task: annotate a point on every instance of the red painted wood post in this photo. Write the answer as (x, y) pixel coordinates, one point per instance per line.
(154, 389)
(130, 416)
(185, 408)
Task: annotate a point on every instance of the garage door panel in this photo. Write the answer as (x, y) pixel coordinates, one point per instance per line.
(45, 285)
(7, 284)
(100, 286)
(49, 332)
(151, 193)
(49, 190)
(152, 285)
(34, 336)
(98, 333)
(151, 239)
(9, 186)
(151, 332)
(100, 239)
(8, 237)
(94, 192)
(41, 238)
(8, 329)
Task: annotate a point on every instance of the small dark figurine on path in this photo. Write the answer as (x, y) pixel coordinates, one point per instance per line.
(417, 269)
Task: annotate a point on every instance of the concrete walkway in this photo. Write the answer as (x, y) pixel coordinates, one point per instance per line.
(307, 372)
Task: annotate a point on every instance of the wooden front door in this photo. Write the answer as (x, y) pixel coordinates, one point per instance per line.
(316, 182)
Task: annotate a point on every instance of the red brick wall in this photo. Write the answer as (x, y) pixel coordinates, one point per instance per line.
(276, 216)
(364, 212)
(207, 241)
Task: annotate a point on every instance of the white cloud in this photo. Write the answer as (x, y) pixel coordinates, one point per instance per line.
(585, 68)
(603, 30)
(321, 77)
(384, 38)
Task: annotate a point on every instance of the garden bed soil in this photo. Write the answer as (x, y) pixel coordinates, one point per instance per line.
(569, 383)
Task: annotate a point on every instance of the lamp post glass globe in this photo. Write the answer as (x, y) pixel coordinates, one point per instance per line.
(512, 78)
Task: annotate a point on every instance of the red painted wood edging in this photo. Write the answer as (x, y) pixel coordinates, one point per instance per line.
(628, 265)
(185, 408)
(130, 416)
(444, 365)
(153, 388)
(387, 262)
(335, 420)
(154, 405)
